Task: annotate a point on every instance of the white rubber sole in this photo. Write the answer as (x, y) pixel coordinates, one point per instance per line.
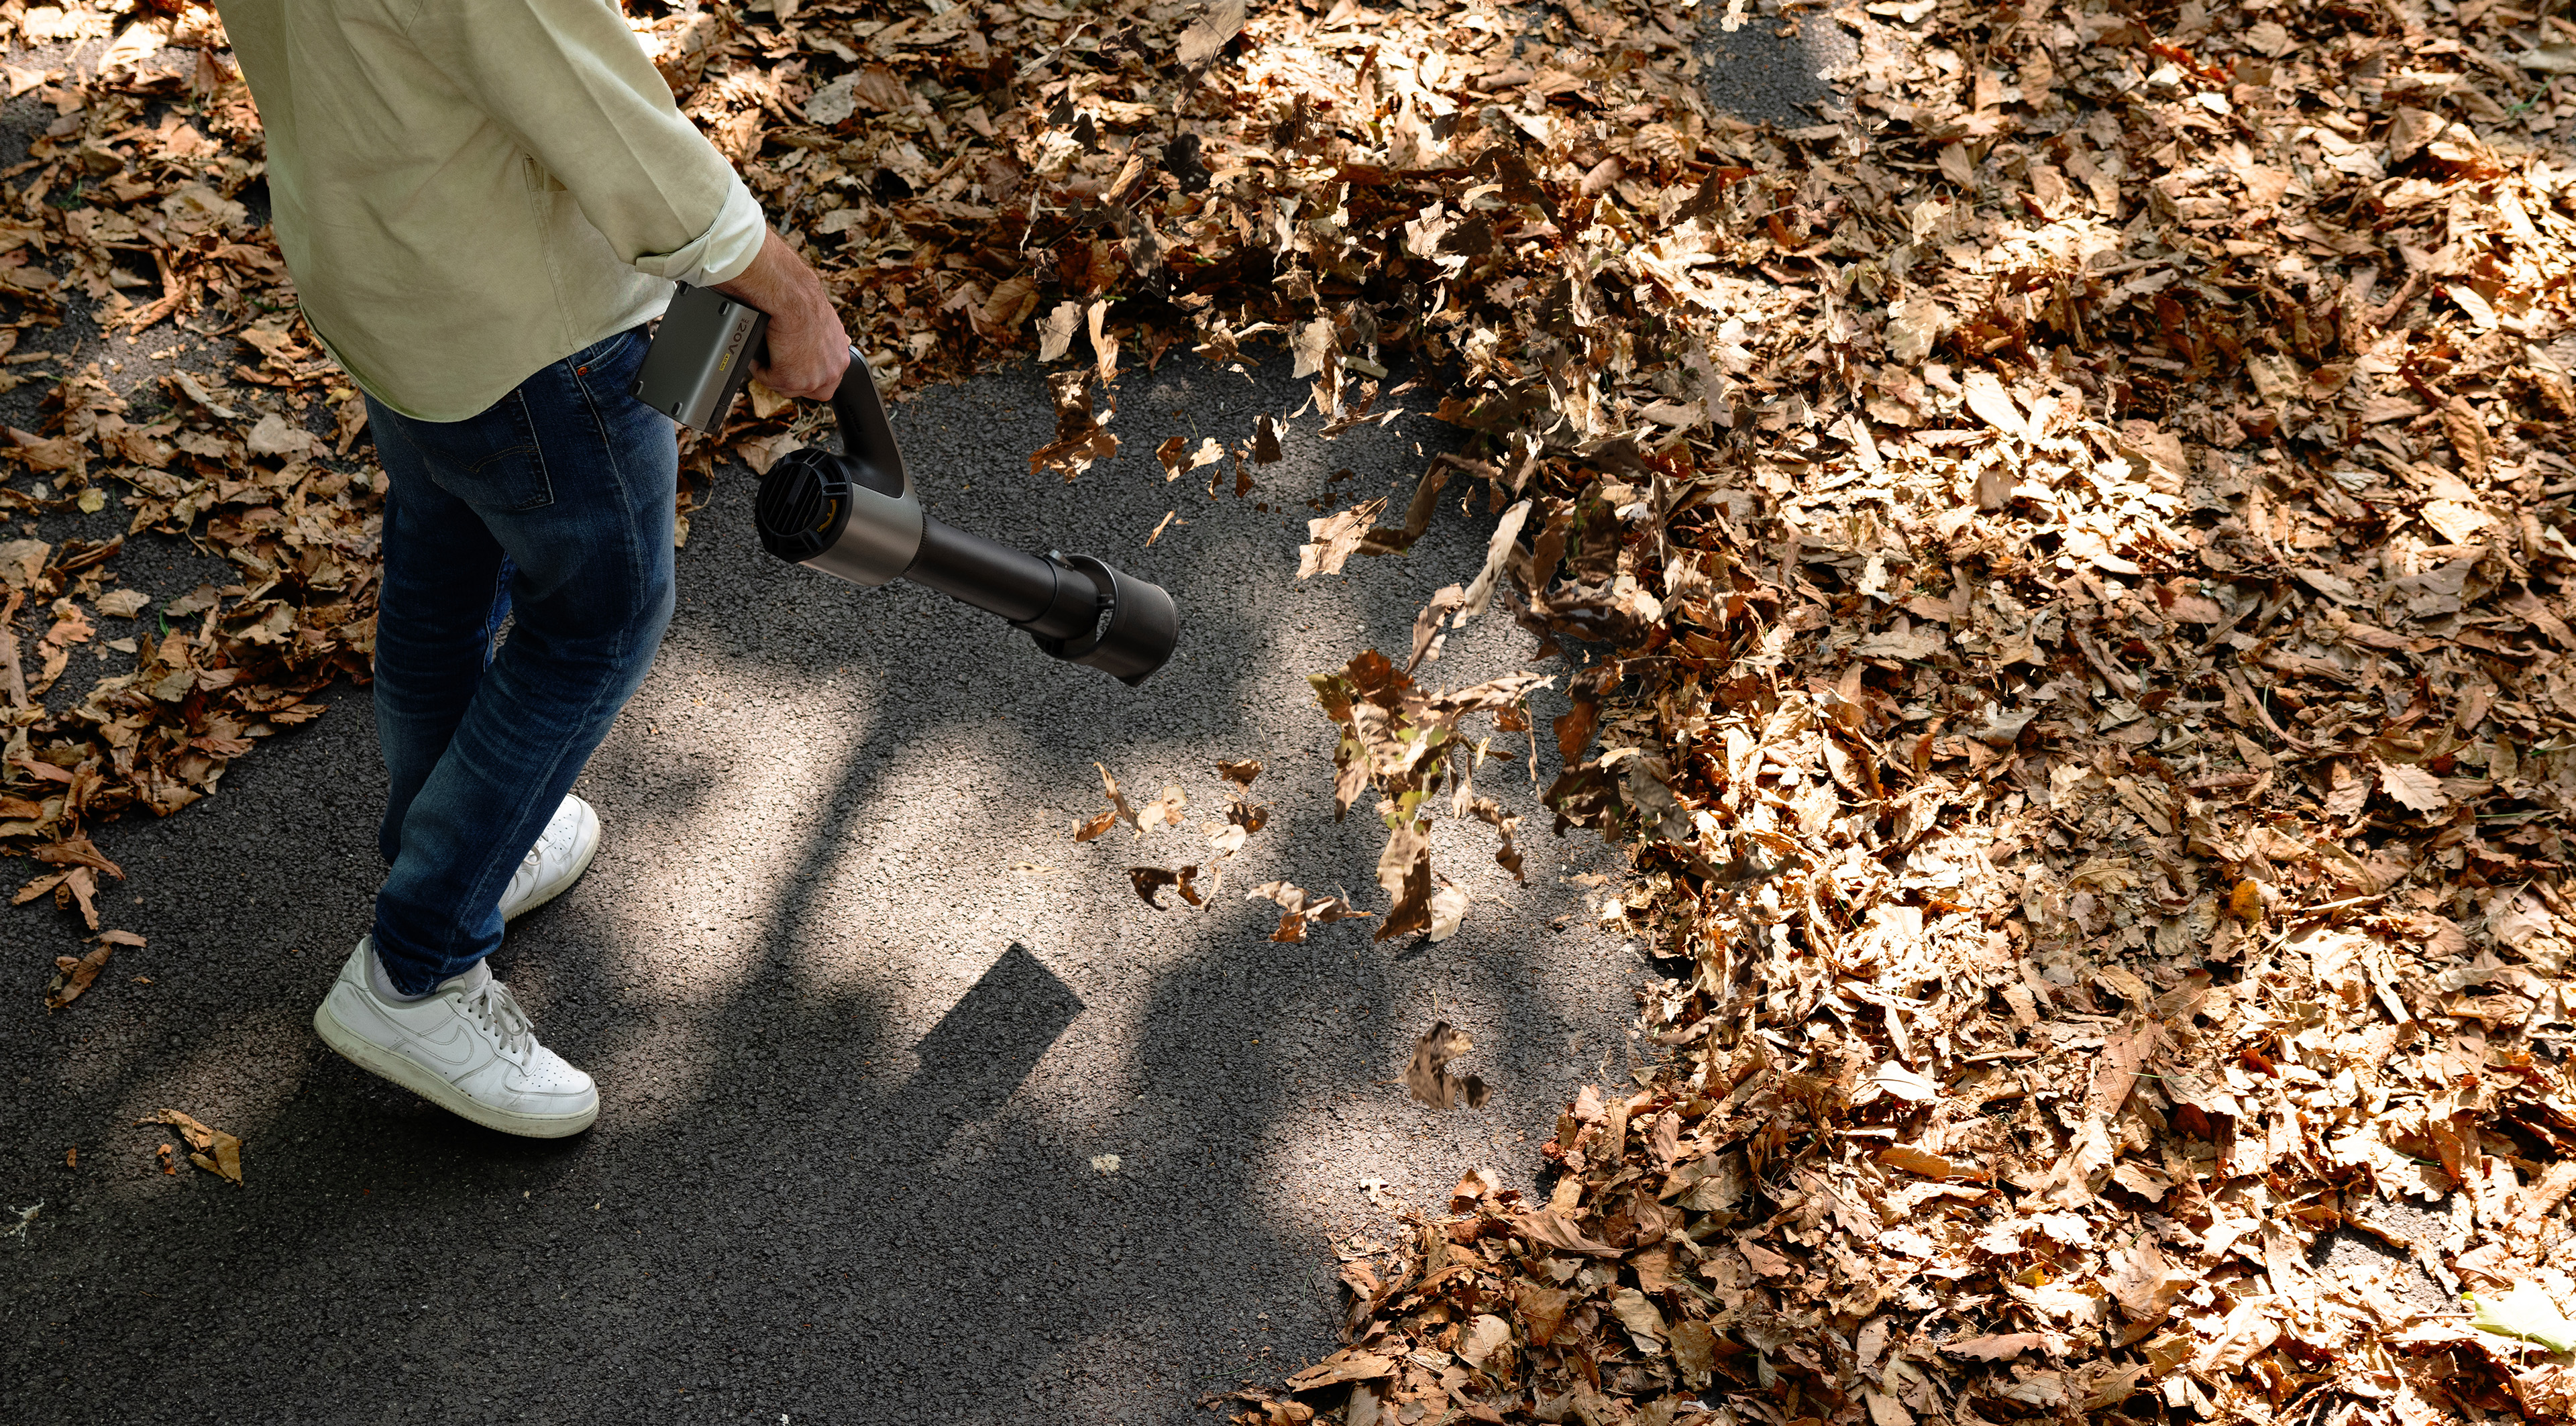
(384, 1064)
(564, 885)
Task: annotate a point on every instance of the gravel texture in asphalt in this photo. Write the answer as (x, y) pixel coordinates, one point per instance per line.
(1769, 69)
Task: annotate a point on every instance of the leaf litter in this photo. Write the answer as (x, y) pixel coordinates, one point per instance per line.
(2060, 566)
(1224, 838)
(128, 204)
(2064, 565)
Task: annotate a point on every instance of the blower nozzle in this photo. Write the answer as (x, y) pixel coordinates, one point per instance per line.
(855, 515)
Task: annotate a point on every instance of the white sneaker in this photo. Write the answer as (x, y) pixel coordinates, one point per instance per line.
(562, 853)
(466, 1047)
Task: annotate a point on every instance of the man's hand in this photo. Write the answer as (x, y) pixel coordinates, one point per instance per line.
(807, 348)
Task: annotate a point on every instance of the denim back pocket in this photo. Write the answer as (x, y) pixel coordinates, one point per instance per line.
(490, 460)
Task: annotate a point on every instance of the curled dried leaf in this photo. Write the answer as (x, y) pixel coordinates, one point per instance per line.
(1428, 1077)
(1151, 880)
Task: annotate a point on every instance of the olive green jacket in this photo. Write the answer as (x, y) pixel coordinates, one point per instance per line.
(467, 190)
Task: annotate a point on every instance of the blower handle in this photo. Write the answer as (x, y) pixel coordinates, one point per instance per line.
(854, 515)
(868, 445)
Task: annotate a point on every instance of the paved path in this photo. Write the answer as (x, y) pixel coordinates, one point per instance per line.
(862, 1013)
(861, 1010)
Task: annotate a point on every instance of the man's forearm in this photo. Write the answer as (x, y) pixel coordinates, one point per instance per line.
(808, 348)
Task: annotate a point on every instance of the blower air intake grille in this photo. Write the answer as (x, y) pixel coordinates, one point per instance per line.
(800, 507)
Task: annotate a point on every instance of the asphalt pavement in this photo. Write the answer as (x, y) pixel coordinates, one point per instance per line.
(867, 1022)
(862, 1012)
(1770, 68)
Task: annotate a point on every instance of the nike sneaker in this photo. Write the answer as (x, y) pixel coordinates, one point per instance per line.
(562, 853)
(466, 1047)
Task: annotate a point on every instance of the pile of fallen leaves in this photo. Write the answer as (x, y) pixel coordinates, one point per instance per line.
(2074, 559)
(134, 188)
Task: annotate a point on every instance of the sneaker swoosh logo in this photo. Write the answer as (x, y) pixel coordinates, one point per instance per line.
(452, 1048)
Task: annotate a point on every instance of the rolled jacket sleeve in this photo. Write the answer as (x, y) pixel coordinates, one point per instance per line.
(573, 86)
(722, 252)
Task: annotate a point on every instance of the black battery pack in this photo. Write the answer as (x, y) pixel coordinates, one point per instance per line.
(701, 356)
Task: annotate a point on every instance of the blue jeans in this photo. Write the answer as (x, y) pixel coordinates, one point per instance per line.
(554, 505)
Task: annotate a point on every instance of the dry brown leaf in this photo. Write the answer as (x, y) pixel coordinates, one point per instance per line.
(2413, 788)
(1150, 881)
(1162, 811)
(1997, 1347)
(1917, 1161)
(1550, 1227)
(1297, 907)
(72, 975)
(1986, 396)
(1210, 33)
(1332, 541)
(216, 1152)
(1428, 1077)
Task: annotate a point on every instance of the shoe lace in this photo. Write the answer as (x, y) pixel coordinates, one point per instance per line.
(498, 1012)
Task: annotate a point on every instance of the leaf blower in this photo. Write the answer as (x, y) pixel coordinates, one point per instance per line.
(855, 514)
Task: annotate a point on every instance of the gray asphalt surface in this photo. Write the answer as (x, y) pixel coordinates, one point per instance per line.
(863, 1014)
(1769, 69)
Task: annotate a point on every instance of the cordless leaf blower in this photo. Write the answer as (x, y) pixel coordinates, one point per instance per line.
(855, 515)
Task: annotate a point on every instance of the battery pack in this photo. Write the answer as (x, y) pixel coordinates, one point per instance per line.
(700, 357)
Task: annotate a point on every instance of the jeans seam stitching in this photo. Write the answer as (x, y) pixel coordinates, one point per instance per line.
(537, 447)
(623, 648)
(598, 418)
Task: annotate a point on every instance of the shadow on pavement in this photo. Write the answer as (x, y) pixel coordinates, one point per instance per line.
(862, 1011)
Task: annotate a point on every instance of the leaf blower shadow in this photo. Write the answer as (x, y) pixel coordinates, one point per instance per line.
(978, 1054)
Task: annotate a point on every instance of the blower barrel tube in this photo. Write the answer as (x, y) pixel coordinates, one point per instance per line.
(1077, 608)
(973, 570)
(820, 509)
